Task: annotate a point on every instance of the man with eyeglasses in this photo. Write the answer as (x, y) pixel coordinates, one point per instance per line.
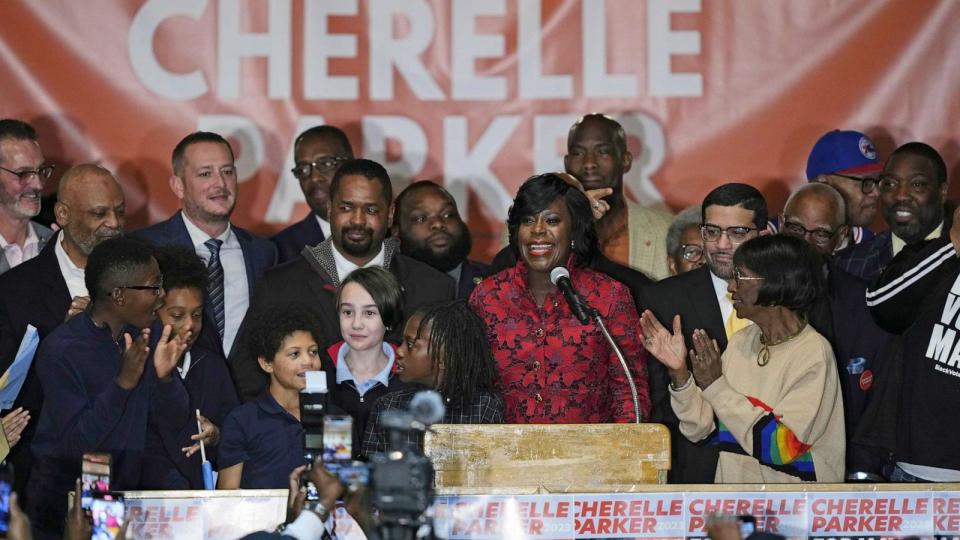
(105, 372)
(684, 243)
(317, 154)
(23, 174)
(913, 187)
(847, 161)
(816, 213)
(205, 180)
(50, 288)
(731, 214)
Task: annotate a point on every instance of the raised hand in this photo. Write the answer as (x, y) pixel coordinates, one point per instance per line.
(598, 206)
(77, 305)
(134, 358)
(668, 348)
(705, 359)
(14, 423)
(955, 230)
(169, 351)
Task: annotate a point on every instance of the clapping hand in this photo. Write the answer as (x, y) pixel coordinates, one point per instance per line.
(169, 351)
(705, 359)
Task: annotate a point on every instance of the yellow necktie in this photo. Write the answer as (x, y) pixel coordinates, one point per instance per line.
(734, 323)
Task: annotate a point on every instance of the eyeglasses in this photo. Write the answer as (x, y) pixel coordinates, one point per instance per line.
(867, 183)
(820, 236)
(738, 277)
(322, 165)
(712, 233)
(157, 289)
(890, 183)
(691, 252)
(43, 173)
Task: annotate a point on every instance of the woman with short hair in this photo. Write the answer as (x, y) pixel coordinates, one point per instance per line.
(771, 402)
(553, 368)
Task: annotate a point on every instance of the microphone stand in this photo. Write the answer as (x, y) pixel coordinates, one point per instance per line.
(623, 361)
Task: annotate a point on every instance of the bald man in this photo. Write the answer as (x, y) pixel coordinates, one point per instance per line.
(50, 288)
(816, 214)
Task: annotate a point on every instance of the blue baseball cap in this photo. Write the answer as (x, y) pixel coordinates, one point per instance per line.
(843, 152)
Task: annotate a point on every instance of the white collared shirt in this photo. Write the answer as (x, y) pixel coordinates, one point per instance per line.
(185, 367)
(17, 254)
(720, 288)
(73, 275)
(383, 377)
(324, 226)
(344, 267)
(236, 292)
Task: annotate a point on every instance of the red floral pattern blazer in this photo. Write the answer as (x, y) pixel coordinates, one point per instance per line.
(552, 369)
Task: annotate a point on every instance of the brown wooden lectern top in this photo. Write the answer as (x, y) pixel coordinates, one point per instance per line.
(548, 458)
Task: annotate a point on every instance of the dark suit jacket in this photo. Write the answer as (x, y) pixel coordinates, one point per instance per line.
(470, 274)
(291, 241)
(692, 296)
(32, 293)
(258, 255)
(302, 281)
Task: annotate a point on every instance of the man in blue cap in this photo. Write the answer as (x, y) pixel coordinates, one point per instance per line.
(847, 161)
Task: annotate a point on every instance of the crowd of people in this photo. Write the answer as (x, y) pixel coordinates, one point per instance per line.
(777, 347)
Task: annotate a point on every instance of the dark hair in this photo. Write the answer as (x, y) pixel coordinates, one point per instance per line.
(737, 194)
(11, 128)
(537, 193)
(369, 169)
(458, 337)
(416, 186)
(326, 131)
(924, 151)
(619, 135)
(196, 137)
(791, 269)
(385, 290)
(181, 267)
(278, 322)
(111, 262)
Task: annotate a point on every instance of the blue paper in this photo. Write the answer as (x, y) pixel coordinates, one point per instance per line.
(17, 373)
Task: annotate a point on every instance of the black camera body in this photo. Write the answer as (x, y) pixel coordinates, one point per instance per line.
(313, 407)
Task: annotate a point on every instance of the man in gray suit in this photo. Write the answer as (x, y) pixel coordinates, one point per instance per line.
(22, 176)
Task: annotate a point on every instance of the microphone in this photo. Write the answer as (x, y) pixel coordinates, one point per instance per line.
(560, 277)
(425, 409)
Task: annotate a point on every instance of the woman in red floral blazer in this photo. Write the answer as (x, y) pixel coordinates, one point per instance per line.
(552, 368)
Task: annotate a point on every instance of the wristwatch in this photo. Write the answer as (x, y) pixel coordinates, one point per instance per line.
(317, 508)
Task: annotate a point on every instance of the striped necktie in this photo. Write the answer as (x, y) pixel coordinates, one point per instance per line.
(215, 283)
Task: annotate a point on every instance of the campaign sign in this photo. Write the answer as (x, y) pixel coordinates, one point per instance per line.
(891, 514)
(637, 515)
(946, 515)
(779, 513)
(521, 516)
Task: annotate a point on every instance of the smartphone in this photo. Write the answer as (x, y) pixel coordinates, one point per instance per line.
(748, 525)
(94, 477)
(6, 488)
(108, 514)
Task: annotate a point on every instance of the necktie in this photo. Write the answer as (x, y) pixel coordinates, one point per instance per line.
(734, 323)
(215, 283)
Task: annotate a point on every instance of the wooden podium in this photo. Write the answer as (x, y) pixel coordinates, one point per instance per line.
(548, 458)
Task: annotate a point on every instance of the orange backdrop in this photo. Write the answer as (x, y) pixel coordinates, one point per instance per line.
(477, 94)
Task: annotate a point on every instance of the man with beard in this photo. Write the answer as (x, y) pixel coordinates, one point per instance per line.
(912, 187)
(205, 180)
(317, 153)
(50, 288)
(360, 215)
(22, 176)
(732, 214)
(629, 234)
(105, 372)
(431, 231)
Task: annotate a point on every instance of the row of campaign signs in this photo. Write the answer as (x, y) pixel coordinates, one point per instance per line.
(821, 515)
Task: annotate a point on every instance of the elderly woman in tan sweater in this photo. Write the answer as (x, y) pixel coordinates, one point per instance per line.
(771, 402)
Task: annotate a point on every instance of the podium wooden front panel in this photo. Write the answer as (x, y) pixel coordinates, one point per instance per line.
(548, 458)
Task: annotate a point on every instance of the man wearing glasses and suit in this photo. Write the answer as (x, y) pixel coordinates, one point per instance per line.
(23, 174)
(732, 214)
(317, 154)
